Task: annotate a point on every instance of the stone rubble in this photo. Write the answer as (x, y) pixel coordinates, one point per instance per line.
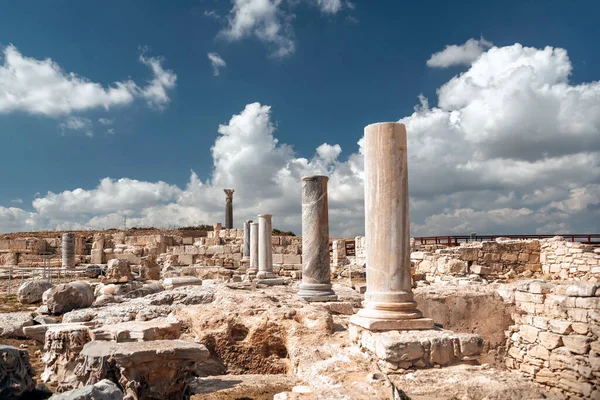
(66, 297)
(31, 291)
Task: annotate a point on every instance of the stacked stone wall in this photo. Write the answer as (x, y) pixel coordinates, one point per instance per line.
(224, 248)
(500, 258)
(554, 339)
(569, 260)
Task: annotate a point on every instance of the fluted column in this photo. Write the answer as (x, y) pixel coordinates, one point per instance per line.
(389, 303)
(253, 249)
(246, 248)
(228, 208)
(316, 273)
(265, 247)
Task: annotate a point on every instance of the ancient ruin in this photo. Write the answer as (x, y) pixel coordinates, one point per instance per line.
(248, 314)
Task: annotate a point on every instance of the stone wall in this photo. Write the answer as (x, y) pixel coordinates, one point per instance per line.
(566, 260)
(224, 248)
(507, 258)
(554, 340)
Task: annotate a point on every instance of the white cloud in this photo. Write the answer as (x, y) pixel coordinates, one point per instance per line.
(17, 201)
(511, 147)
(42, 87)
(106, 121)
(330, 6)
(110, 131)
(463, 54)
(217, 62)
(263, 19)
(77, 124)
(155, 92)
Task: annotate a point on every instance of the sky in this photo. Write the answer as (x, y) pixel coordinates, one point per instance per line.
(148, 110)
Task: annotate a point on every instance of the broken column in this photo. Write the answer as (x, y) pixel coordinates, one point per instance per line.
(253, 249)
(246, 249)
(316, 274)
(265, 247)
(389, 302)
(68, 250)
(228, 208)
(98, 249)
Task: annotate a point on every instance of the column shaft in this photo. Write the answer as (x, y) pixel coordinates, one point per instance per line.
(316, 273)
(265, 247)
(253, 249)
(389, 300)
(68, 250)
(246, 248)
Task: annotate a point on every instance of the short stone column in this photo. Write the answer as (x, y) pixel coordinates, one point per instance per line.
(316, 273)
(253, 249)
(246, 248)
(265, 247)
(68, 250)
(228, 208)
(389, 303)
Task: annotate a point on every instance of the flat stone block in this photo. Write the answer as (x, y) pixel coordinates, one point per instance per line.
(270, 281)
(171, 283)
(137, 331)
(392, 325)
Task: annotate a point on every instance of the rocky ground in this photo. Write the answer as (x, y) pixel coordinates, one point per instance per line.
(263, 341)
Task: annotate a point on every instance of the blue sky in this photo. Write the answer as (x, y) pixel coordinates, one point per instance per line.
(351, 64)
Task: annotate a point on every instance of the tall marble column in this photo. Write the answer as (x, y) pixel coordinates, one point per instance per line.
(265, 247)
(246, 248)
(253, 249)
(389, 303)
(316, 273)
(228, 208)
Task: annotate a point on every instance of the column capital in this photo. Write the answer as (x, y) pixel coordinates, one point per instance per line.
(229, 193)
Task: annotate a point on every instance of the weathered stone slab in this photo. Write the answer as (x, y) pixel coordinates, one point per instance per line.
(171, 283)
(118, 271)
(137, 331)
(12, 324)
(103, 390)
(31, 291)
(424, 348)
(63, 298)
(16, 374)
(38, 332)
(157, 370)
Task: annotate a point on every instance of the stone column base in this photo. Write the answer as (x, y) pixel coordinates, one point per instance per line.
(374, 324)
(418, 349)
(266, 275)
(252, 271)
(317, 292)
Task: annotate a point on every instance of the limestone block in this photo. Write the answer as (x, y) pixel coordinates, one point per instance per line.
(577, 344)
(481, 270)
(558, 326)
(579, 328)
(159, 369)
(186, 259)
(140, 331)
(150, 269)
(103, 390)
(16, 373)
(31, 291)
(532, 298)
(538, 287)
(38, 332)
(277, 258)
(292, 259)
(63, 298)
(583, 289)
(539, 352)
(97, 256)
(171, 283)
(588, 302)
(528, 333)
(118, 270)
(550, 340)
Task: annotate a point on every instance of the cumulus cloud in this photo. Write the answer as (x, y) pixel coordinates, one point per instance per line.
(463, 54)
(80, 124)
(270, 21)
(217, 62)
(510, 147)
(106, 121)
(42, 87)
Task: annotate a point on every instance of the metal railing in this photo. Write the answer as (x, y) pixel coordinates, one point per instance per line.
(16, 276)
(587, 238)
